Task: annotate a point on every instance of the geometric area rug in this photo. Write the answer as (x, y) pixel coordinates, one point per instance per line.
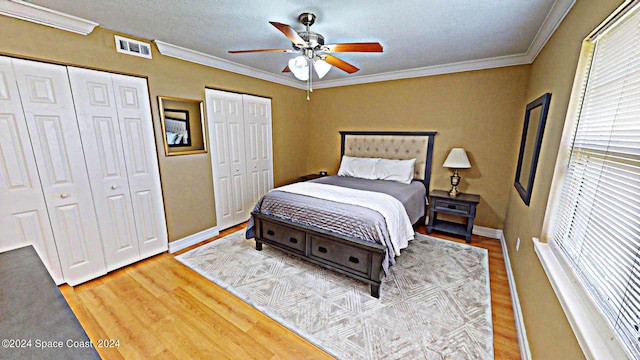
(435, 303)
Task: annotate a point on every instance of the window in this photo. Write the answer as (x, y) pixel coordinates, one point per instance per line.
(596, 226)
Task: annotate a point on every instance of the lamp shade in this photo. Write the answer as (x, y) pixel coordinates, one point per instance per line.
(457, 159)
(299, 67)
(322, 67)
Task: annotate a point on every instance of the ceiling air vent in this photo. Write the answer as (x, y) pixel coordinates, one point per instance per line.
(132, 47)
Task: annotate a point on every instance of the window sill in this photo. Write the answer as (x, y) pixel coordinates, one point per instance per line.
(591, 329)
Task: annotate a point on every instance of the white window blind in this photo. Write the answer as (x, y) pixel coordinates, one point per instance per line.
(598, 225)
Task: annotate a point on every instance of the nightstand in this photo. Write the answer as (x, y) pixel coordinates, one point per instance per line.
(463, 205)
(310, 177)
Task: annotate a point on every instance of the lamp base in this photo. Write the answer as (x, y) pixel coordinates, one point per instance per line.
(455, 180)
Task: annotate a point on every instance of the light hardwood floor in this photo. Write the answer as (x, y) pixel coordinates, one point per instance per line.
(160, 309)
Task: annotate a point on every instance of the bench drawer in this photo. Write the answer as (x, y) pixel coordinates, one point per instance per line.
(347, 257)
(286, 236)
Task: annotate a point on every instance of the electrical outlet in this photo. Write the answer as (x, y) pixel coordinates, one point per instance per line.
(518, 244)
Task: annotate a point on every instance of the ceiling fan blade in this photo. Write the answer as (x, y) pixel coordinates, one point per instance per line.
(290, 33)
(340, 64)
(286, 69)
(261, 51)
(353, 47)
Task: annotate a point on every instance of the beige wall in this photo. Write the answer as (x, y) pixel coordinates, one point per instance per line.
(186, 180)
(477, 110)
(550, 336)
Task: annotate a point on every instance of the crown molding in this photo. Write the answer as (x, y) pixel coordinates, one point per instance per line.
(197, 57)
(554, 18)
(40, 15)
(558, 12)
(471, 65)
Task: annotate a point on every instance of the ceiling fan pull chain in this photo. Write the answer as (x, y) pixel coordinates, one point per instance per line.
(310, 75)
(309, 90)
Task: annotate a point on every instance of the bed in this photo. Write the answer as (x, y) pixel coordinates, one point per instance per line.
(351, 225)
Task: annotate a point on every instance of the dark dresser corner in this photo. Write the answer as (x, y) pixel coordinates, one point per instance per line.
(35, 315)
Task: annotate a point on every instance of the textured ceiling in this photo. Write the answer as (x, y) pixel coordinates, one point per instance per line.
(414, 33)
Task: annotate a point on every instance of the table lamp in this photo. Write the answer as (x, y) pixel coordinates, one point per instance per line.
(457, 159)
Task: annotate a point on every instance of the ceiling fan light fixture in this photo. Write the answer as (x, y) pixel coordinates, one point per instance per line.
(315, 53)
(299, 67)
(322, 67)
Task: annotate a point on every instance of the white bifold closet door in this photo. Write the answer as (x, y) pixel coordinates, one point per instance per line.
(140, 153)
(226, 129)
(241, 153)
(79, 175)
(51, 120)
(23, 212)
(117, 133)
(259, 159)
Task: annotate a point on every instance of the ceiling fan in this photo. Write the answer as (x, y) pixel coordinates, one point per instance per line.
(315, 54)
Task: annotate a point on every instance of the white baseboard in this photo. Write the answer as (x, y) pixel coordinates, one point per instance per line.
(487, 232)
(193, 239)
(525, 352)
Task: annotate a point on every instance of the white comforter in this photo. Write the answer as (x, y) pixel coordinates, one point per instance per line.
(394, 213)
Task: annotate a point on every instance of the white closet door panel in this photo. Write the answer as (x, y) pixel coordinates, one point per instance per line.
(51, 120)
(23, 213)
(259, 159)
(227, 136)
(223, 202)
(101, 140)
(235, 123)
(136, 126)
(221, 168)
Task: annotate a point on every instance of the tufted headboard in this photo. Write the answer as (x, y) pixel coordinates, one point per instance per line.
(392, 145)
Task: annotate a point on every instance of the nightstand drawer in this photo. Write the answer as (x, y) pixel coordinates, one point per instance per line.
(452, 207)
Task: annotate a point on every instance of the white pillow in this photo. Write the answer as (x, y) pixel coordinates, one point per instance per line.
(394, 170)
(357, 167)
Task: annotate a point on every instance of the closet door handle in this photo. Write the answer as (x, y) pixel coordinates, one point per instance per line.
(64, 195)
(113, 187)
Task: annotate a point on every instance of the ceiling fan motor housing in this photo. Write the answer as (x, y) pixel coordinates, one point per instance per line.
(314, 40)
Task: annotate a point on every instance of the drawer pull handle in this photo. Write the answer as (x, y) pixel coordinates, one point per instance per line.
(270, 232)
(354, 259)
(451, 206)
(293, 240)
(322, 249)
